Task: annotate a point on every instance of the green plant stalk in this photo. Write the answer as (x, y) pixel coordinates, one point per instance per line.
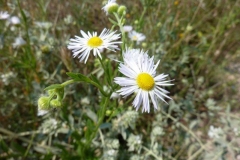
(91, 82)
(141, 18)
(68, 82)
(30, 144)
(105, 71)
(120, 25)
(100, 88)
(31, 57)
(152, 153)
(100, 120)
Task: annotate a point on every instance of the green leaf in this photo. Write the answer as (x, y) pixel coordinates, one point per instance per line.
(4, 146)
(109, 72)
(105, 125)
(54, 86)
(90, 128)
(94, 79)
(78, 77)
(113, 22)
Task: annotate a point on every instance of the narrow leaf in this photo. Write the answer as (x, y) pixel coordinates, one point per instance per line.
(78, 77)
(54, 86)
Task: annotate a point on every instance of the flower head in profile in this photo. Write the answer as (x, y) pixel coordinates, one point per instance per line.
(82, 46)
(135, 36)
(127, 28)
(4, 15)
(110, 7)
(140, 78)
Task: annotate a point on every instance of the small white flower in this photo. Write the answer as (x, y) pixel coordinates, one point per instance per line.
(236, 131)
(4, 15)
(82, 46)
(14, 20)
(134, 142)
(127, 28)
(42, 112)
(157, 131)
(6, 78)
(85, 101)
(135, 36)
(68, 20)
(111, 152)
(141, 79)
(19, 41)
(215, 132)
(110, 7)
(114, 95)
(49, 125)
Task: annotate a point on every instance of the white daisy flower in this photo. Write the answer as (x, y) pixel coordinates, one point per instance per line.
(127, 28)
(81, 46)
(4, 15)
(135, 36)
(110, 7)
(141, 79)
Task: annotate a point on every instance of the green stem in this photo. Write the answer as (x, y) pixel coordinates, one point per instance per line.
(102, 64)
(68, 82)
(152, 153)
(100, 120)
(143, 13)
(120, 24)
(30, 144)
(100, 88)
(109, 79)
(90, 81)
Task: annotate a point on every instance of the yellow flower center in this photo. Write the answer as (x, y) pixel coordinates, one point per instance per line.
(135, 38)
(145, 81)
(95, 42)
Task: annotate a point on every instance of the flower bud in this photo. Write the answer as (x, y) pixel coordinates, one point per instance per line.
(43, 103)
(144, 45)
(159, 24)
(121, 10)
(111, 7)
(108, 112)
(55, 103)
(189, 28)
(46, 49)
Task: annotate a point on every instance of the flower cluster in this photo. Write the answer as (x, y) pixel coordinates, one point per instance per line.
(215, 132)
(134, 142)
(139, 70)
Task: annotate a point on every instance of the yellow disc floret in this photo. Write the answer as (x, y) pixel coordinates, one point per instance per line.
(95, 42)
(134, 38)
(145, 81)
